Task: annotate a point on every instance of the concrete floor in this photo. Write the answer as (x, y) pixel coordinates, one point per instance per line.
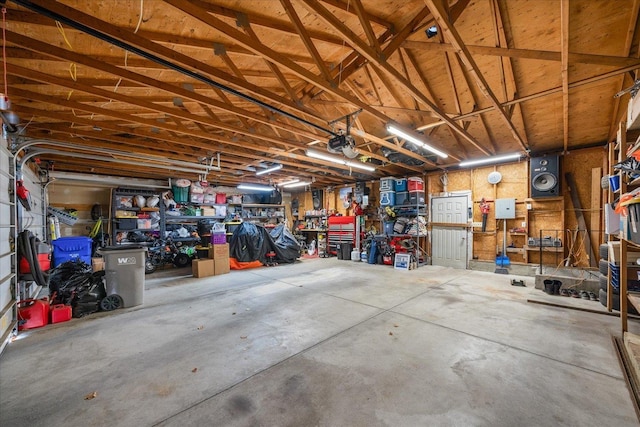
(323, 342)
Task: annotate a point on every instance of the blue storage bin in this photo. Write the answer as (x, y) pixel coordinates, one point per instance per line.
(387, 184)
(71, 248)
(400, 184)
(387, 198)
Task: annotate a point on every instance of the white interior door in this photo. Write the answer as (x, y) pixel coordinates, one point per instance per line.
(449, 238)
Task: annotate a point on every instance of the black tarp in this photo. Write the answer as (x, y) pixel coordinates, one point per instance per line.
(251, 242)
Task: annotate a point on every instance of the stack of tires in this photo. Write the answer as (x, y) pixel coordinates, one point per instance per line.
(604, 272)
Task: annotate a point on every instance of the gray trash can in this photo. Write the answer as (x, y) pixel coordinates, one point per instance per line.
(124, 273)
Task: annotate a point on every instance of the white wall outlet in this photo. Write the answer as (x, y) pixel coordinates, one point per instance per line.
(524, 224)
(477, 225)
(529, 207)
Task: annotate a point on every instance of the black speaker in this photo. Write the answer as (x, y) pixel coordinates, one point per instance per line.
(545, 176)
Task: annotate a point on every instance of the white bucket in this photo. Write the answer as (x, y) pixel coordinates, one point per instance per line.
(355, 255)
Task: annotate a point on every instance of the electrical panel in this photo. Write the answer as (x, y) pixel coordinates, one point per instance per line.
(505, 208)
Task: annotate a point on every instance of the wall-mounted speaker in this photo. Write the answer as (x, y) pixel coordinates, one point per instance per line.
(545, 176)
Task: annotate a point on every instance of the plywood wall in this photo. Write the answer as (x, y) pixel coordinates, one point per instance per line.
(81, 197)
(555, 217)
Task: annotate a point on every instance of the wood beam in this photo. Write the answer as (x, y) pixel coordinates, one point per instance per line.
(306, 40)
(367, 52)
(502, 20)
(167, 54)
(172, 90)
(542, 55)
(267, 53)
(366, 26)
(564, 47)
(437, 10)
(631, 28)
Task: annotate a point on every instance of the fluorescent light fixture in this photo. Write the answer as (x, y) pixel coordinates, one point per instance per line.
(357, 165)
(254, 187)
(268, 170)
(407, 136)
(293, 181)
(297, 184)
(492, 159)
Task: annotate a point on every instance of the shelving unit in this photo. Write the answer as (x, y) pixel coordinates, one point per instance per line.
(548, 211)
(192, 220)
(263, 214)
(119, 223)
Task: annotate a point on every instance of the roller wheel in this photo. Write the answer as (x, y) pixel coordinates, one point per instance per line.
(604, 251)
(111, 302)
(604, 266)
(149, 267)
(181, 260)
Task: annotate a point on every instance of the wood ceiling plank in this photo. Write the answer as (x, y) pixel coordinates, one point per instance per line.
(460, 148)
(501, 20)
(172, 112)
(366, 51)
(306, 40)
(437, 10)
(564, 47)
(166, 54)
(574, 58)
(267, 53)
(368, 16)
(172, 90)
(206, 138)
(363, 17)
(373, 85)
(631, 29)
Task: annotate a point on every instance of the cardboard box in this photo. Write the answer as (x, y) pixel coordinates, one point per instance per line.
(203, 268)
(97, 264)
(219, 251)
(221, 265)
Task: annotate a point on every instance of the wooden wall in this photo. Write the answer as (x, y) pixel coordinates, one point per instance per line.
(556, 217)
(81, 197)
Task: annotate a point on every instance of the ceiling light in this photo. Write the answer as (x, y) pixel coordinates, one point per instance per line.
(492, 159)
(268, 170)
(408, 137)
(357, 165)
(432, 31)
(254, 187)
(296, 184)
(293, 181)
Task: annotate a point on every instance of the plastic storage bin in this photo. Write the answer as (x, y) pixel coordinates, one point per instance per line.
(415, 183)
(387, 198)
(416, 197)
(400, 184)
(180, 194)
(218, 238)
(402, 198)
(71, 248)
(387, 184)
(124, 273)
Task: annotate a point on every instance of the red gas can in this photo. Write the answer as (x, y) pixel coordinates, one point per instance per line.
(33, 313)
(60, 313)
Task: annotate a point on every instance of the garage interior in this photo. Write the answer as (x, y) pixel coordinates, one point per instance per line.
(457, 181)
